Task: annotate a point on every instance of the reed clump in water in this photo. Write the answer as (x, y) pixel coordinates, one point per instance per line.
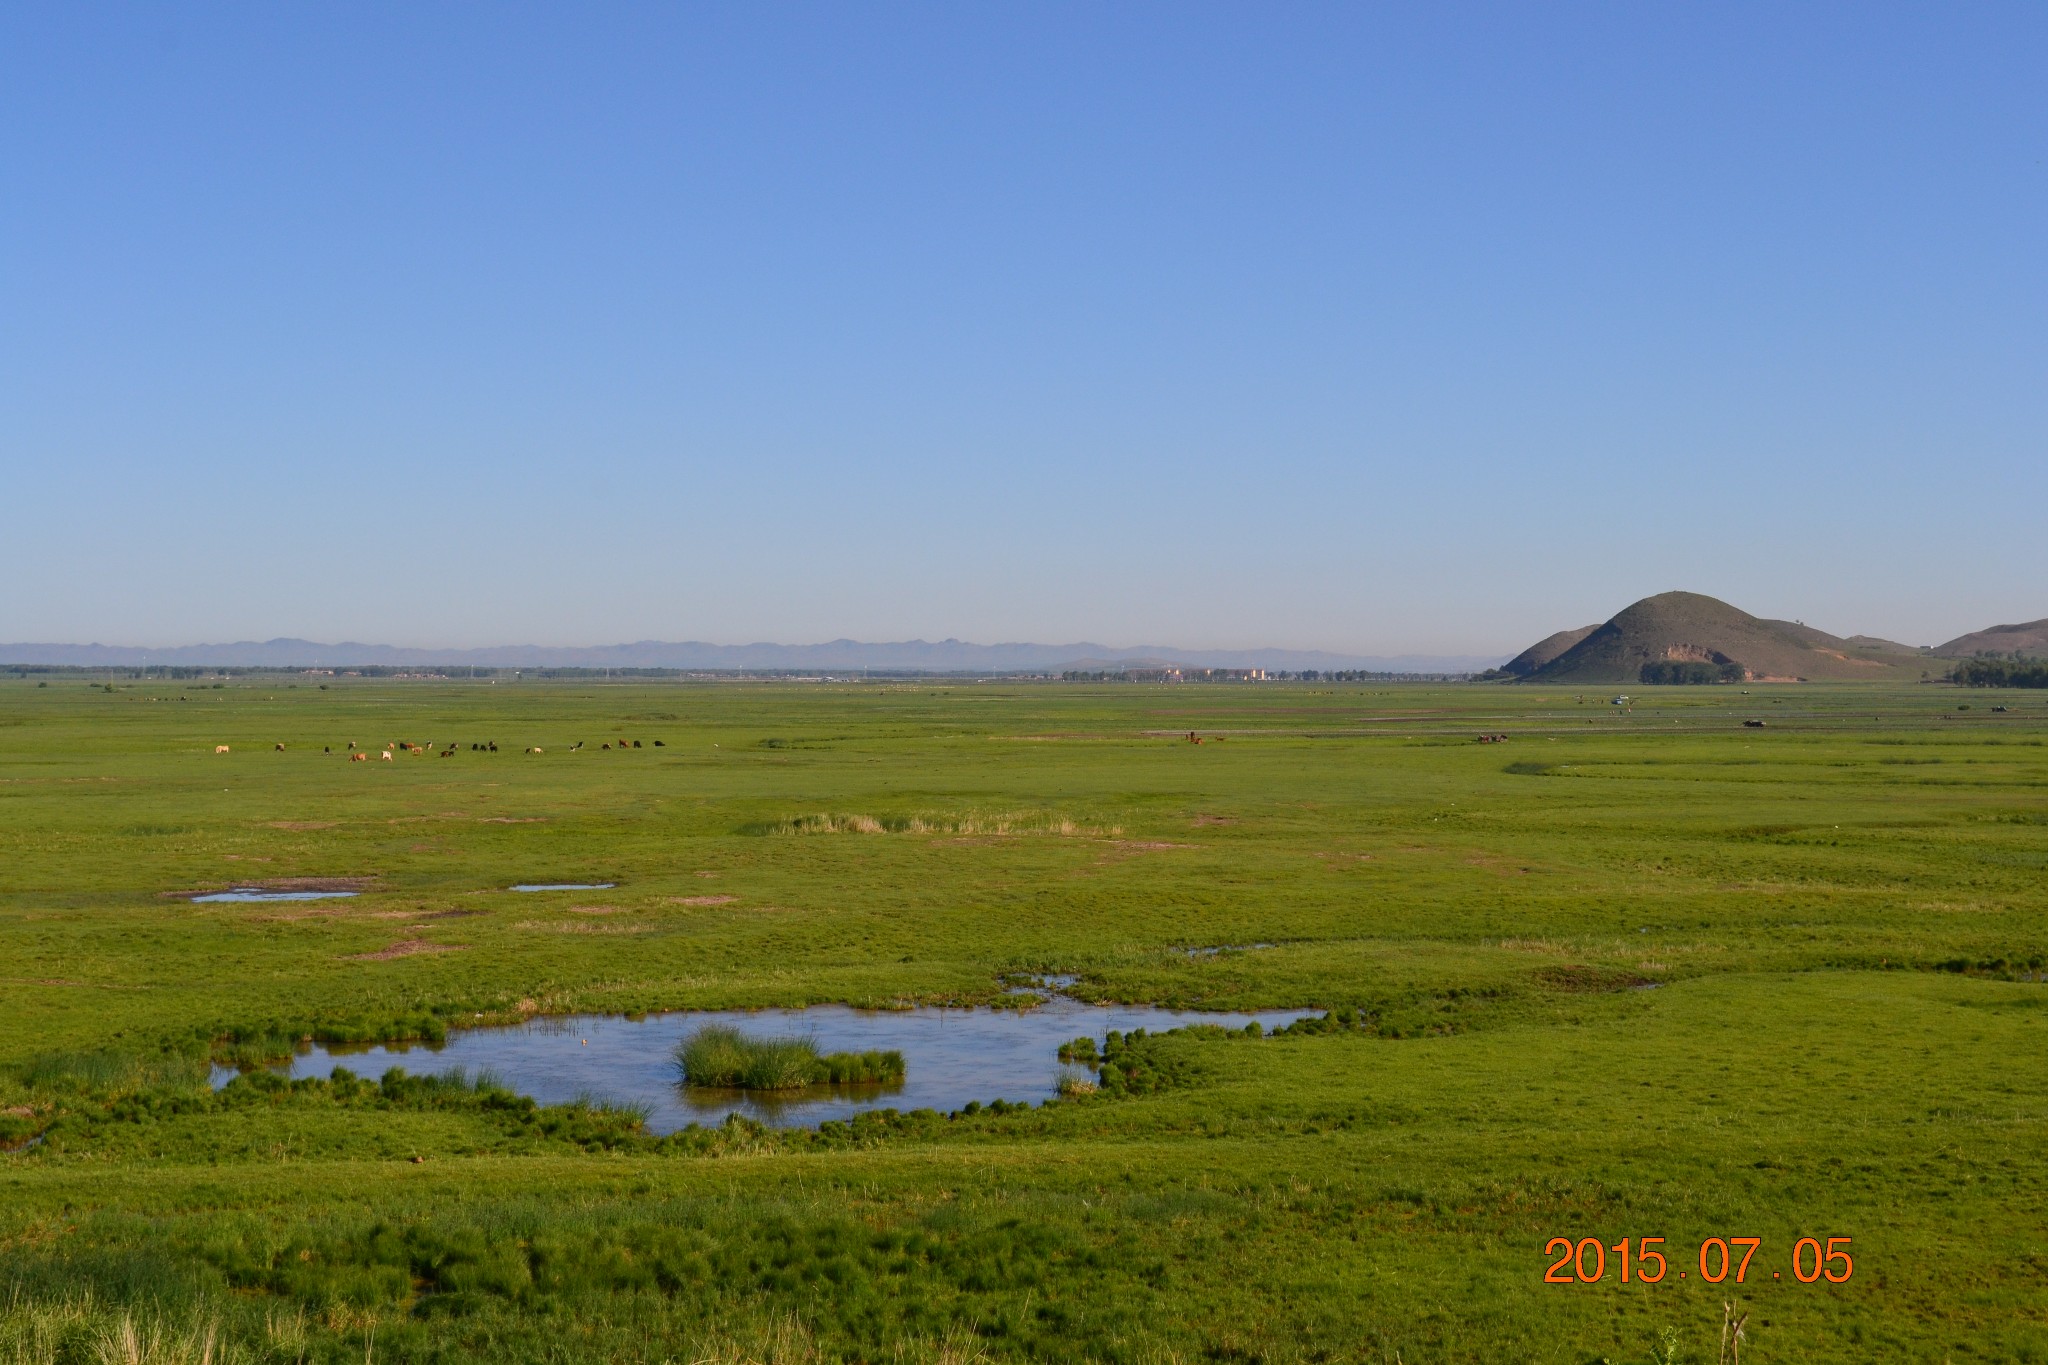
(723, 1057)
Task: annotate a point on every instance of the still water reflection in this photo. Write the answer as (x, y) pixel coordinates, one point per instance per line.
(952, 1056)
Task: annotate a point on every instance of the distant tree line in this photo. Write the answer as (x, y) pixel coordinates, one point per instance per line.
(1689, 672)
(1347, 675)
(1986, 672)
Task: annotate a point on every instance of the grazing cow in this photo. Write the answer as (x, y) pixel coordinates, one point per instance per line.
(386, 756)
(220, 748)
(359, 758)
(605, 746)
(636, 744)
(327, 748)
(574, 747)
(659, 745)
(492, 747)
(1753, 724)
(351, 744)
(280, 748)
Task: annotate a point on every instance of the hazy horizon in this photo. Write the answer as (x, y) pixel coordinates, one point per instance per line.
(1371, 330)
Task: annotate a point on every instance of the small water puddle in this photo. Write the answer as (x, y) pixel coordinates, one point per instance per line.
(952, 1056)
(564, 886)
(257, 893)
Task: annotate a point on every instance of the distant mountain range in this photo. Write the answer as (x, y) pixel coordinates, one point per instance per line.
(944, 656)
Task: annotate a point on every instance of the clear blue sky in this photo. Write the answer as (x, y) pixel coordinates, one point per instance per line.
(1371, 328)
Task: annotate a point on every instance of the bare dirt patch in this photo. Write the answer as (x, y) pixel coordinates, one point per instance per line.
(702, 900)
(1590, 980)
(595, 909)
(1215, 819)
(512, 820)
(411, 947)
(302, 825)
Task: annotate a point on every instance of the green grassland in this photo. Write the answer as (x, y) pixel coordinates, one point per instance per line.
(1637, 971)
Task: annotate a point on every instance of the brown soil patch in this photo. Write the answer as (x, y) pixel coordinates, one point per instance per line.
(302, 825)
(702, 900)
(410, 947)
(17, 1111)
(513, 820)
(594, 909)
(1590, 980)
(706, 874)
(279, 884)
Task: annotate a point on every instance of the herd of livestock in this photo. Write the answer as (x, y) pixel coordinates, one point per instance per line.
(398, 746)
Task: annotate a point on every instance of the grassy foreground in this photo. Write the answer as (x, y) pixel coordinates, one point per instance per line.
(1638, 972)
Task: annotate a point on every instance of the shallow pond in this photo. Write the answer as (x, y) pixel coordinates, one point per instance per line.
(952, 1056)
(257, 893)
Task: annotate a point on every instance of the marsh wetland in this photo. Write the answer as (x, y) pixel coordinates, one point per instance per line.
(1450, 945)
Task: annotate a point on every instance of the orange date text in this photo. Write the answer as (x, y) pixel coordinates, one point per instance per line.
(1731, 1260)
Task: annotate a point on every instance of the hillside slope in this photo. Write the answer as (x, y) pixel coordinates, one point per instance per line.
(2029, 638)
(1544, 650)
(1686, 627)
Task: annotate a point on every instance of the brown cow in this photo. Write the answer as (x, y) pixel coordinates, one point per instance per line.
(359, 758)
(220, 748)
(280, 748)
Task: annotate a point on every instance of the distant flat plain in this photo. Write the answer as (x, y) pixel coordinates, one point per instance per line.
(1640, 970)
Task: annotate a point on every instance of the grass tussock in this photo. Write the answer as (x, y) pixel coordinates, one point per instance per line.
(725, 1058)
(41, 1331)
(1013, 823)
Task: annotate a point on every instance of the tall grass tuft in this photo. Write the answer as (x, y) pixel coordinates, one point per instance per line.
(721, 1056)
(104, 1072)
(57, 1331)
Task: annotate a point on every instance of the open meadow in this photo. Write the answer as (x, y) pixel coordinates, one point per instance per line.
(1634, 972)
